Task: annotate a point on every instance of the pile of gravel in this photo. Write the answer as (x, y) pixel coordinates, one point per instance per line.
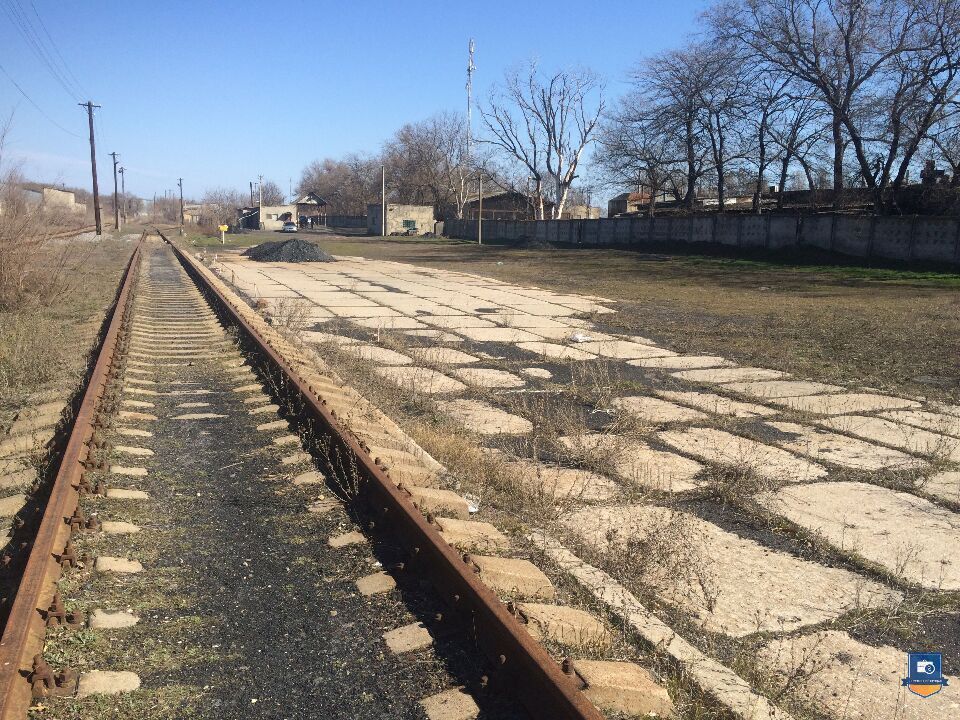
(293, 251)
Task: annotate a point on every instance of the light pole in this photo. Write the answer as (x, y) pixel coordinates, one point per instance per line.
(123, 191)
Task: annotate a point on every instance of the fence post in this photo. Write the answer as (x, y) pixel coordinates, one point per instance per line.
(956, 244)
(833, 231)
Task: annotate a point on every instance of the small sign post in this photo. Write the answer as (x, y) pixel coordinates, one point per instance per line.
(223, 229)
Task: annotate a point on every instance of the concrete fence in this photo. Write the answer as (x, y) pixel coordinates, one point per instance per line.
(929, 239)
(344, 221)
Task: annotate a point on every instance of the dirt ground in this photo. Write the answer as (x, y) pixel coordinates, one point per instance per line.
(896, 330)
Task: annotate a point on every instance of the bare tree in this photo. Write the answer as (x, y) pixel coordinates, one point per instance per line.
(347, 185)
(545, 124)
(221, 205)
(861, 57)
(637, 151)
(271, 193)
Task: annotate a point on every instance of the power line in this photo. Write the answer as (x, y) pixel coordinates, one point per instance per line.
(56, 49)
(16, 13)
(39, 109)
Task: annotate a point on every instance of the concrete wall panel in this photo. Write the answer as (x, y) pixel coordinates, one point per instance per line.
(726, 229)
(817, 231)
(782, 232)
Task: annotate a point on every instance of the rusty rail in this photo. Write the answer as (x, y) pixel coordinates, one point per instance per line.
(23, 635)
(521, 664)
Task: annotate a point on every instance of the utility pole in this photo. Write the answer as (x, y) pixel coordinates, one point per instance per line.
(93, 165)
(116, 206)
(470, 68)
(180, 184)
(260, 206)
(480, 209)
(383, 201)
(123, 191)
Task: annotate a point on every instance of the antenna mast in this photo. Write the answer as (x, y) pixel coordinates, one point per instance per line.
(470, 68)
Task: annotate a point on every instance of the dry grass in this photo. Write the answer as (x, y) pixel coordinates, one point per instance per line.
(45, 339)
(891, 329)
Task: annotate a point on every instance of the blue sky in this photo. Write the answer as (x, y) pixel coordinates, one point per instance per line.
(220, 92)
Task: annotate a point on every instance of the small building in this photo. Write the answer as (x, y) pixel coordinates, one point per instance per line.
(580, 212)
(51, 199)
(505, 205)
(311, 208)
(632, 202)
(401, 219)
(268, 217)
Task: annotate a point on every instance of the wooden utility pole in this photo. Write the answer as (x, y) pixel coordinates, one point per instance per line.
(93, 165)
(180, 184)
(383, 201)
(480, 209)
(123, 191)
(116, 206)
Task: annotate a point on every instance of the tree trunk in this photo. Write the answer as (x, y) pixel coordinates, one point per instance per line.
(837, 129)
(691, 165)
(784, 166)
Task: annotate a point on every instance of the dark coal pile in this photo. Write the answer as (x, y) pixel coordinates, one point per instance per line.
(293, 251)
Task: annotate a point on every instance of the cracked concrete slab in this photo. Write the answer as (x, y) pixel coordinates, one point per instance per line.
(421, 379)
(844, 403)
(488, 378)
(652, 410)
(556, 352)
(907, 535)
(682, 362)
(840, 449)
(718, 404)
(483, 418)
(903, 437)
(729, 584)
(726, 375)
(934, 422)
(636, 462)
(847, 680)
(382, 356)
(944, 485)
(562, 484)
(443, 356)
(718, 446)
(781, 388)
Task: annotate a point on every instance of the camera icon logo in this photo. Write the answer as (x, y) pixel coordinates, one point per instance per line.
(924, 674)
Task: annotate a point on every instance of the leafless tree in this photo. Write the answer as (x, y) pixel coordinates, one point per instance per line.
(545, 124)
(347, 185)
(882, 68)
(221, 205)
(271, 193)
(635, 150)
(428, 162)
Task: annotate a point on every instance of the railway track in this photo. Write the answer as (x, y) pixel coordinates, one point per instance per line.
(214, 469)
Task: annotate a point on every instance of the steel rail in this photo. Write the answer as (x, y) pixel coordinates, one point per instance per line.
(23, 634)
(522, 666)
